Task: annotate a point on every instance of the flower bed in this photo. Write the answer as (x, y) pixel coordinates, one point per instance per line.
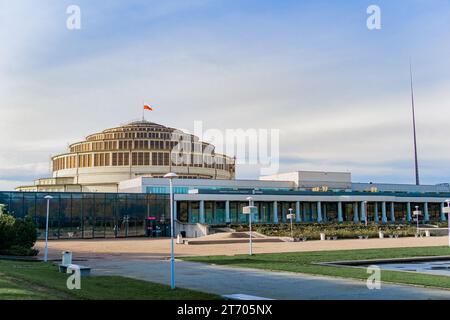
(341, 231)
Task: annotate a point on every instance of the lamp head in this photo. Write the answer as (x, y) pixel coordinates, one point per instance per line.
(48, 197)
(171, 175)
(249, 198)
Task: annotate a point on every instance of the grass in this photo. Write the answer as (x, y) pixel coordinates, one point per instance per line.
(304, 262)
(11, 291)
(24, 280)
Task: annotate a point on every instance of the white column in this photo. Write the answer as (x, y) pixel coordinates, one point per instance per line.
(426, 214)
(227, 212)
(443, 218)
(202, 211)
(363, 211)
(376, 216)
(298, 215)
(392, 212)
(340, 216)
(383, 212)
(408, 211)
(355, 212)
(319, 212)
(275, 212)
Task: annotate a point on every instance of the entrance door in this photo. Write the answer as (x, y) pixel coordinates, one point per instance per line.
(156, 229)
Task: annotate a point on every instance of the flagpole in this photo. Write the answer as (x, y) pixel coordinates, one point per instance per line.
(416, 161)
(143, 111)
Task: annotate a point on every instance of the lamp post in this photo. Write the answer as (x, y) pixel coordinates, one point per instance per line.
(291, 217)
(417, 214)
(171, 176)
(448, 218)
(48, 198)
(365, 213)
(250, 200)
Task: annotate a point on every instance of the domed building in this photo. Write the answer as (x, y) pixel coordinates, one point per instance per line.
(137, 149)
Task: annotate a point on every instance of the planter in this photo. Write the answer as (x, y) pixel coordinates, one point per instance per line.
(427, 233)
(322, 237)
(381, 235)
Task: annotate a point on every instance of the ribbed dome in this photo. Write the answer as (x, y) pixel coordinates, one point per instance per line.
(142, 148)
(143, 123)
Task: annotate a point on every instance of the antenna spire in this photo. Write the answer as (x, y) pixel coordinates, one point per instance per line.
(414, 124)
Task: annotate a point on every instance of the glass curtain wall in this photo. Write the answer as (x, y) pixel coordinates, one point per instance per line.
(90, 215)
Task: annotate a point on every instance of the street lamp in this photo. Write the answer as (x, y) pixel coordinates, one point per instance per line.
(48, 198)
(171, 176)
(448, 218)
(365, 212)
(250, 210)
(417, 213)
(291, 217)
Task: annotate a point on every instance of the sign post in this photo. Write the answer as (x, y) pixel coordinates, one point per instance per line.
(250, 210)
(417, 213)
(291, 216)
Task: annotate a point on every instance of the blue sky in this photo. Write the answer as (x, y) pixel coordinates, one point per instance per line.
(338, 92)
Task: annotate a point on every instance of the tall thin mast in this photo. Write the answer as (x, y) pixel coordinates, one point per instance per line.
(414, 125)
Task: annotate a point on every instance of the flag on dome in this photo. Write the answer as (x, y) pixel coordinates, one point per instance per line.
(147, 107)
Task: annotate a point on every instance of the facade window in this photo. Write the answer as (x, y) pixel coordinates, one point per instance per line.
(114, 159)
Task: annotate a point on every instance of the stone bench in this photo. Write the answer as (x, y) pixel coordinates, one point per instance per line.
(84, 271)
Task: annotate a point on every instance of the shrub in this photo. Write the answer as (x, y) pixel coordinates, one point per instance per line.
(17, 236)
(25, 233)
(6, 231)
(342, 231)
(19, 251)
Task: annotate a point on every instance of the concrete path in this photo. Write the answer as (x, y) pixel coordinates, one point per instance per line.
(160, 248)
(276, 285)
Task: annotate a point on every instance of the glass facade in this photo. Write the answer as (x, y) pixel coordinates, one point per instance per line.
(93, 215)
(118, 215)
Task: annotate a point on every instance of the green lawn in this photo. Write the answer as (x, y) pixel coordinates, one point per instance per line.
(303, 262)
(11, 291)
(37, 280)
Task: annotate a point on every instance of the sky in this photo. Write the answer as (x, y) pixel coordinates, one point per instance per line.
(338, 92)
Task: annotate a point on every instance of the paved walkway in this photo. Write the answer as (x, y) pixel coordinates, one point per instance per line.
(276, 285)
(160, 248)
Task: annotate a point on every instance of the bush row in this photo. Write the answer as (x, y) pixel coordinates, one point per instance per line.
(342, 231)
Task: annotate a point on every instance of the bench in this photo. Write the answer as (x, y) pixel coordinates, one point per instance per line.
(84, 271)
(244, 297)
